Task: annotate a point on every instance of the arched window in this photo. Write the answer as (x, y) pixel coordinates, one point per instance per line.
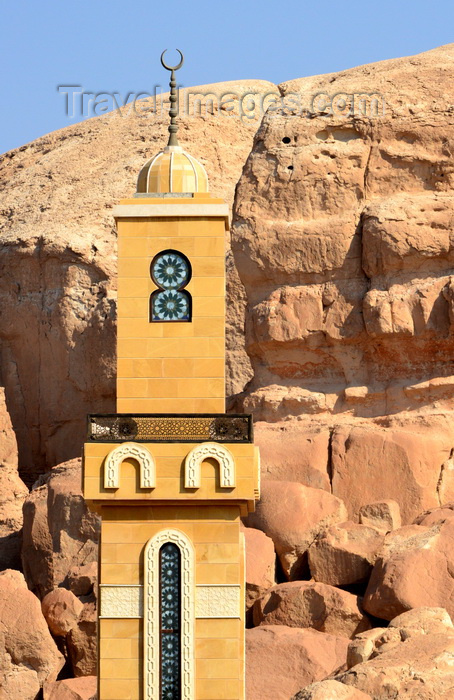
(171, 272)
(170, 621)
(169, 617)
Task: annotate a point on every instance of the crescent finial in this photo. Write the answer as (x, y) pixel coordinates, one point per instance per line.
(172, 67)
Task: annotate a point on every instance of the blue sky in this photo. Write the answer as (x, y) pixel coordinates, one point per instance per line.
(115, 46)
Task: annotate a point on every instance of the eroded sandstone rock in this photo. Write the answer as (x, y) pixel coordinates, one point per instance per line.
(59, 530)
(293, 515)
(29, 655)
(342, 237)
(382, 515)
(371, 642)
(12, 492)
(417, 622)
(16, 577)
(61, 609)
(446, 481)
(343, 251)
(8, 443)
(330, 690)
(281, 660)
(81, 580)
(423, 621)
(292, 452)
(344, 554)
(315, 605)
(75, 623)
(414, 569)
(435, 515)
(19, 682)
(83, 642)
(260, 564)
(370, 463)
(420, 668)
(344, 243)
(72, 689)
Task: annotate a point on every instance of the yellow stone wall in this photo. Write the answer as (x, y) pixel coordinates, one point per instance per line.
(219, 559)
(171, 367)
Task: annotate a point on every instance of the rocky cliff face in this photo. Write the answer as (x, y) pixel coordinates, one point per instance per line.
(343, 239)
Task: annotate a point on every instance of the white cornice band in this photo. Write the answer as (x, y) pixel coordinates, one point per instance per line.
(135, 211)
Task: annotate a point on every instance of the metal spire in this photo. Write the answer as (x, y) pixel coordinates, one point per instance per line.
(173, 127)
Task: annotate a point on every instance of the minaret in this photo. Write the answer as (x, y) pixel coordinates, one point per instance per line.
(170, 474)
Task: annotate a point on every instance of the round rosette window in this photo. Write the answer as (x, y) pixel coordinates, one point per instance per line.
(171, 272)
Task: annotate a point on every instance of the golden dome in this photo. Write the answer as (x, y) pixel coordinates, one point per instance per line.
(172, 170)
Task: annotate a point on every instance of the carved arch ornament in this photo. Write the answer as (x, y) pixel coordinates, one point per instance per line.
(130, 450)
(192, 465)
(213, 450)
(151, 659)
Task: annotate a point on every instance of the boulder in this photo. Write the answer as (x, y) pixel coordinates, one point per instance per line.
(279, 402)
(72, 689)
(76, 623)
(59, 530)
(260, 564)
(344, 554)
(314, 605)
(435, 515)
(383, 515)
(12, 493)
(368, 644)
(414, 569)
(420, 668)
(8, 443)
(19, 683)
(81, 580)
(446, 481)
(419, 621)
(281, 660)
(423, 621)
(15, 576)
(29, 655)
(82, 642)
(61, 609)
(330, 690)
(293, 515)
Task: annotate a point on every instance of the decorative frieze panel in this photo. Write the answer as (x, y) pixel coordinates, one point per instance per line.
(117, 601)
(218, 601)
(173, 428)
(120, 601)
